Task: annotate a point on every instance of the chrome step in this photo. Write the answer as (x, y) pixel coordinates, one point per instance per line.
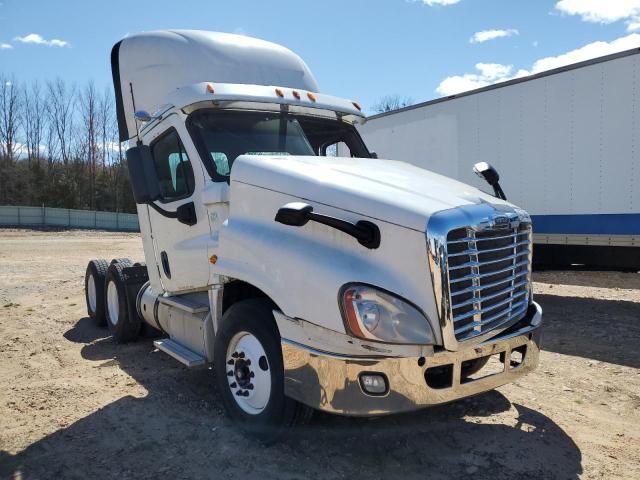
(179, 352)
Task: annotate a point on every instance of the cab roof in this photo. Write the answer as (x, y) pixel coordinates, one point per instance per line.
(150, 67)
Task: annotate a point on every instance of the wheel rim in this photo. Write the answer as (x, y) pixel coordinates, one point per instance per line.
(113, 303)
(91, 293)
(248, 373)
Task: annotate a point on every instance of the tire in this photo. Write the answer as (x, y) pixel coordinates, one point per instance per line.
(94, 290)
(247, 352)
(123, 260)
(123, 326)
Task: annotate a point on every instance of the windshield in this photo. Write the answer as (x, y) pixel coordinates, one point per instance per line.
(222, 136)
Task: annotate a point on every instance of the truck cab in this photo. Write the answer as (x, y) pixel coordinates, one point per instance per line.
(279, 250)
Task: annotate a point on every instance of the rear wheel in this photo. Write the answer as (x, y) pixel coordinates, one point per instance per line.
(94, 289)
(123, 325)
(250, 373)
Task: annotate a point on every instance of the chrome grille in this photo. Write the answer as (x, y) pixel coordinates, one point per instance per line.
(488, 276)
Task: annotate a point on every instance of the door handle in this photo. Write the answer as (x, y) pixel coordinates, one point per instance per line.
(164, 259)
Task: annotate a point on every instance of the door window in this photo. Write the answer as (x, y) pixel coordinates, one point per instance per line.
(173, 168)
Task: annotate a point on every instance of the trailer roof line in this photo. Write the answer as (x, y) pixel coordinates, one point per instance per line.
(508, 83)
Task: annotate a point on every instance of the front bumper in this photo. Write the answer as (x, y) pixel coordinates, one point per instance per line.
(331, 382)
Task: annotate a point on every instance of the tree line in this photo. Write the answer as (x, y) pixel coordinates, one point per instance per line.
(59, 147)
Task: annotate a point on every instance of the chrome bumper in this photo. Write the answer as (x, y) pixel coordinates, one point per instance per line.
(331, 382)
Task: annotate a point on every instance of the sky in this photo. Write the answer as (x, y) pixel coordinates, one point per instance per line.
(357, 49)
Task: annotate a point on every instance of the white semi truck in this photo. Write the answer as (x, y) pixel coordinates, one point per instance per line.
(349, 284)
(565, 141)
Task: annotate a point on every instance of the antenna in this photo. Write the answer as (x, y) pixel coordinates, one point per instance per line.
(133, 101)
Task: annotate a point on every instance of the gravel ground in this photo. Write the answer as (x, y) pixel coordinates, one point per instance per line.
(75, 405)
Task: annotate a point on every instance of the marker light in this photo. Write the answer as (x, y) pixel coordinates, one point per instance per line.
(374, 314)
(279, 92)
(210, 88)
(357, 105)
(311, 96)
(296, 94)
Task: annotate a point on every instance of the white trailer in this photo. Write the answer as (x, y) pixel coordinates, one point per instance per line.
(566, 143)
(353, 285)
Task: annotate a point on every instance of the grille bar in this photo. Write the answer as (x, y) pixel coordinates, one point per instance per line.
(457, 318)
(490, 285)
(489, 297)
(473, 239)
(488, 277)
(489, 250)
(520, 308)
(488, 274)
(476, 263)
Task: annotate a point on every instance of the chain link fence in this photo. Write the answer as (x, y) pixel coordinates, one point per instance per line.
(13, 216)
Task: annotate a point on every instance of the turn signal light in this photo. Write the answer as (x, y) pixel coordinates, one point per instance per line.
(279, 92)
(296, 94)
(311, 96)
(213, 259)
(210, 88)
(357, 105)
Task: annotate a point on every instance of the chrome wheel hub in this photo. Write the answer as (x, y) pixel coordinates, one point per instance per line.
(248, 373)
(91, 293)
(113, 303)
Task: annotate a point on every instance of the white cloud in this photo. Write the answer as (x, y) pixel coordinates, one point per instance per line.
(488, 73)
(431, 3)
(5, 46)
(486, 35)
(603, 11)
(37, 39)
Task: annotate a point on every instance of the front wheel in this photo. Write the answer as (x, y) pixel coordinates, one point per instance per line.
(250, 372)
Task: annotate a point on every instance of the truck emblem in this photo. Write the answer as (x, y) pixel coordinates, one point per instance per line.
(501, 221)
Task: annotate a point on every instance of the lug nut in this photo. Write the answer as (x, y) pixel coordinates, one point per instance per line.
(230, 373)
(233, 385)
(230, 362)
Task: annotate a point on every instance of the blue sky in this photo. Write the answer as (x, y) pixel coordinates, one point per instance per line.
(360, 49)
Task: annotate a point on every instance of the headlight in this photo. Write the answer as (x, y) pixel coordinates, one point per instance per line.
(373, 314)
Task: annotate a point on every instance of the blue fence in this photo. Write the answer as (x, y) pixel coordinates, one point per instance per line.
(11, 216)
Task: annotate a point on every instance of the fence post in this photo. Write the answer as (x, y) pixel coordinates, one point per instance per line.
(19, 220)
(95, 219)
(68, 217)
(44, 215)
(117, 220)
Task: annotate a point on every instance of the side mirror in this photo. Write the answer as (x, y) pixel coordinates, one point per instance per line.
(142, 174)
(373, 155)
(490, 175)
(486, 171)
(295, 214)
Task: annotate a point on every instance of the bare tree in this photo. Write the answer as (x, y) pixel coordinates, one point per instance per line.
(33, 120)
(10, 111)
(60, 113)
(88, 141)
(389, 103)
(105, 121)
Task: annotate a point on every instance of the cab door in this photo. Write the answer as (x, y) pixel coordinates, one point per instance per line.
(179, 222)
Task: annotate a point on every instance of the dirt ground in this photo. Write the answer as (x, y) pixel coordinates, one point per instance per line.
(75, 405)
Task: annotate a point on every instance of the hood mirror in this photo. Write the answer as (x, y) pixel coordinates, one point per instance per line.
(490, 175)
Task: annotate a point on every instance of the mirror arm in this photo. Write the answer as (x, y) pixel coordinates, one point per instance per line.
(499, 192)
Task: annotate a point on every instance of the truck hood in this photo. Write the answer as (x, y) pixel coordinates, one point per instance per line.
(387, 190)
